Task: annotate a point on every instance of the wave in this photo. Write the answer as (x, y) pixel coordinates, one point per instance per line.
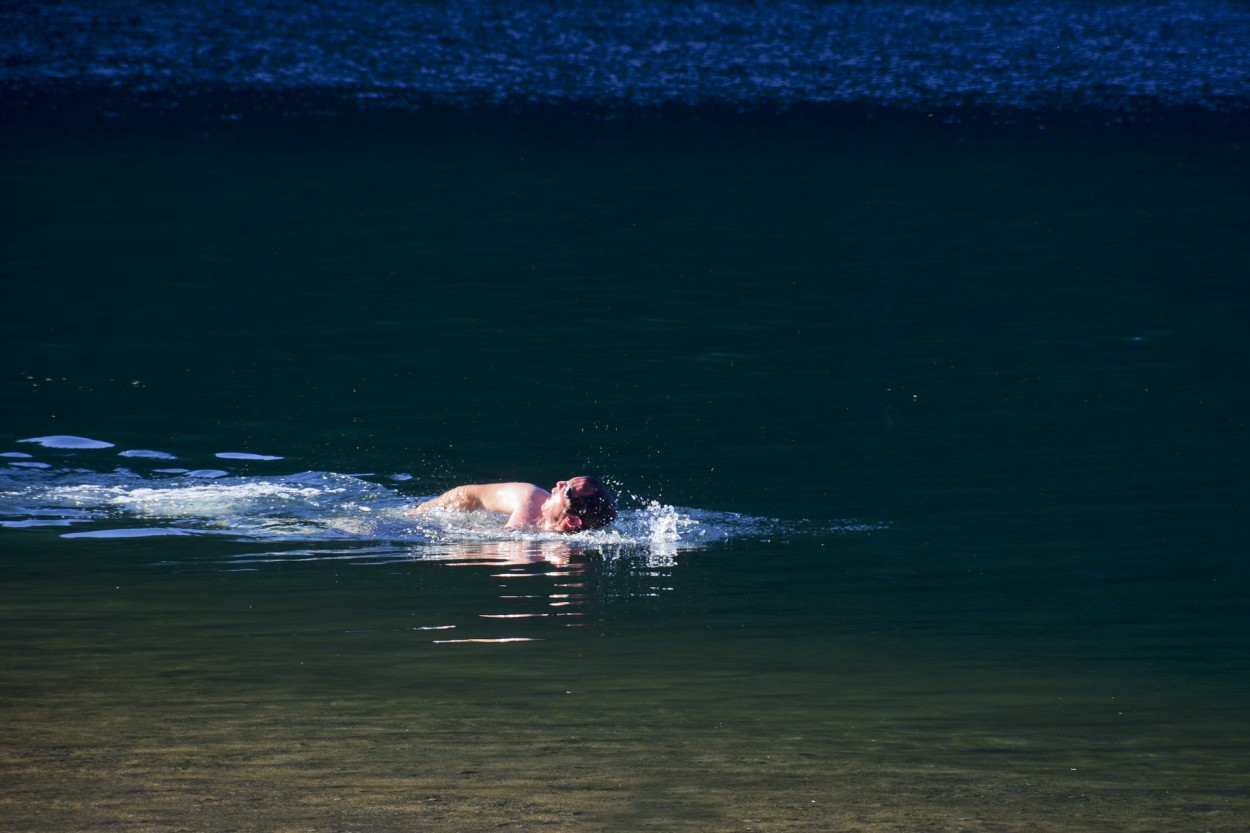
(329, 509)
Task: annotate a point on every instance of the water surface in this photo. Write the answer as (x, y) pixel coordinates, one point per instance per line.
(929, 435)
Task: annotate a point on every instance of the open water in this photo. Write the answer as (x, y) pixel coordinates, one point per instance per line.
(909, 335)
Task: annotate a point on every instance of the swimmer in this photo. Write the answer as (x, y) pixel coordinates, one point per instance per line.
(572, 505)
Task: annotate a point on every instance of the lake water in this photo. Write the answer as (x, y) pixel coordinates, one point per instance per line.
(929, 428)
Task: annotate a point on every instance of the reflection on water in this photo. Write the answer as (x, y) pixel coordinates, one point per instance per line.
(543, 580)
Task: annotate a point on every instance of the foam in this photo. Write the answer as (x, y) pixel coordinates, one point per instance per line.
(209, 501)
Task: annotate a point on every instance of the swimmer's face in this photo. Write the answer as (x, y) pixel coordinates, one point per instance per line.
(557, 509)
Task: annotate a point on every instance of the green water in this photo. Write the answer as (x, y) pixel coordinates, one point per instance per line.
(998, 366)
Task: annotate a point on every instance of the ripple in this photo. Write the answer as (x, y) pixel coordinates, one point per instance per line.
(897, 53)
(147, 453)
(141, 532)
(36, 522)
(67, 441)
(497, 641)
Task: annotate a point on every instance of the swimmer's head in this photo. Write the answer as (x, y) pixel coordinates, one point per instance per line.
(588, 504)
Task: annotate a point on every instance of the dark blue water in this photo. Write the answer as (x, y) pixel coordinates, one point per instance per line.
(908, 335)
(1111, 56)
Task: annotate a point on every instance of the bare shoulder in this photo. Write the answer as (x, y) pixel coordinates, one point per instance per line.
(506, 497)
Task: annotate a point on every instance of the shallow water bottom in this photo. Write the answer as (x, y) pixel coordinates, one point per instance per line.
(153, 687)
(326, 766)
(166, 755)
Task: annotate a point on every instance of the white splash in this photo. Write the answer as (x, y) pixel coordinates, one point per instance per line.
(209, 501)
(324, 508)
(667, 525)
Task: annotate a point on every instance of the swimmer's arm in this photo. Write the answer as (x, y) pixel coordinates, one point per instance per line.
(459, 499)
(505, 498)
